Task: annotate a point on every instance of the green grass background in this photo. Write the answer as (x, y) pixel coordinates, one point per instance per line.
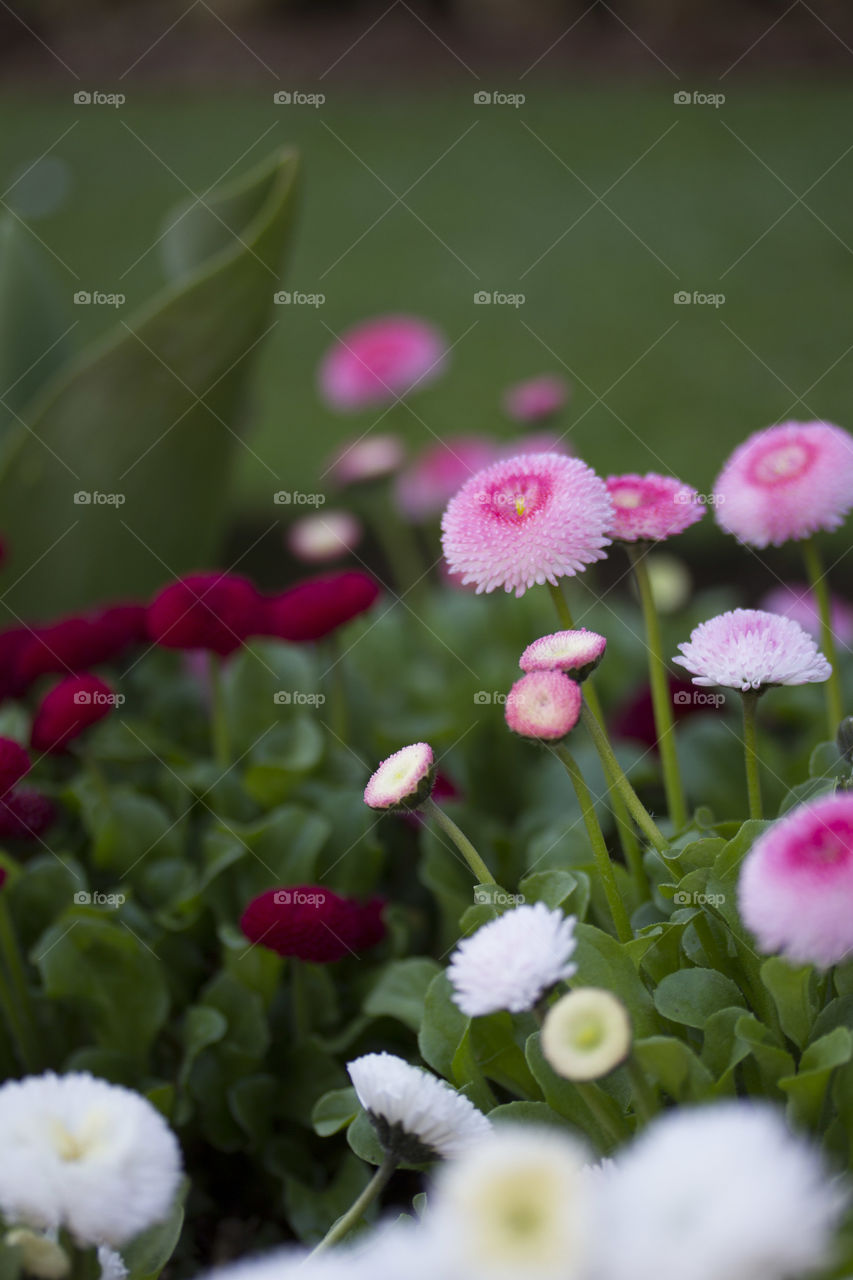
(680, 384)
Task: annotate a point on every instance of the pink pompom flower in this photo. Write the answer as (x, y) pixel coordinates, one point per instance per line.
(379, 361)
(796, 600)
(749, 649)
(326, 536)
(404, 780)
(576, 652)
(530, 519)
(68, 709)
(544, 705)
(785, 483)
(371, 457)
(536, 399)
(426, 487)
(651, 508)
(796, 884)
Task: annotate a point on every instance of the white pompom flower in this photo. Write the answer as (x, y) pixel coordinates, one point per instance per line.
(721, 1192)
(511, 962)
(416, 1116)
(79, 1153)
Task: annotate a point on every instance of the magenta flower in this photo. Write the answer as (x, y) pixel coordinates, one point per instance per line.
(534, 518)
(544, 705)
(404, 780)
(785, 483)
(70, 707)
(371, 457)
(576, 652)
(379, 361)
(425, 488)
(748, 649)
(326, 536)
(650, 508)
(796, 600)
(536, 399)
(796, 884)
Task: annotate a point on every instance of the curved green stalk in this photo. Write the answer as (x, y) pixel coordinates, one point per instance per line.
(820, 587)
(636, 808)
(348, 1220)
(482, 874)
(753, 779)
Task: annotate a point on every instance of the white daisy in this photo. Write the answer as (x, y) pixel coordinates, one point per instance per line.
(415, 1115)
(404, 780)
(86, 1155)
(586, 1034)
(511, 962)
(722, 1192)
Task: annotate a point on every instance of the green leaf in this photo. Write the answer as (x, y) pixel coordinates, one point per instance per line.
(311, 1211)
(500, 1057)
(148, 415)
(560, 1094)
(567, 890)
(254, 682)
(537, 1113)
(692, 996)
(203, 1026)
(334, 1111)
(674, 1066)
(443, 1027)
(773, 1062)
(807, 1089)
(792, 991)
(253, 1104)
(146, 1255)
(400, 991)
(603, 962)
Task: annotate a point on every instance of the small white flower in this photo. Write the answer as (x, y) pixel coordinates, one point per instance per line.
(86, 1155)
(515, 1205)
(404, 780)
(750, 649)
(415, 1114)
(722, 1192)
(586, 1034)
(511, 962)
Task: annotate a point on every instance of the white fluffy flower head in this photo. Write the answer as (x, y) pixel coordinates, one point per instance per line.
(586, 1034)
(722, 1192)
(511, 962)
(414, 1113)
(86, 1155)
(749, 649)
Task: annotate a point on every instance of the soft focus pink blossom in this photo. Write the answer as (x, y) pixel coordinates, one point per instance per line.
(650, 508)
(749, 649)
(325, 536)
(369, 458)
(796, 600)
(543, 704)
(530, 519)
(379, 361)
(536, 399)
(796, 885)
(576, 652)
(786, 482)
(427, 485)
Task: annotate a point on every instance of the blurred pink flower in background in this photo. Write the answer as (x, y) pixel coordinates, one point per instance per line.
(368, 458)
(328, 535)
(796, 600)
(536, 399)
(651, 507)
(427, 485)
(379, 361)
(537, 442)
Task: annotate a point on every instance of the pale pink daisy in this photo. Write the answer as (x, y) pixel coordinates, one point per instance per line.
(786, 482)
(379, 361)
(749, 649)
(576, 652)
(369, 458)
(404, 780)
(544, 705)
(427, 485)
(650, 508)
(796, 600)
(796, 885)
(325, 536)
(537, 398)
(530, 519)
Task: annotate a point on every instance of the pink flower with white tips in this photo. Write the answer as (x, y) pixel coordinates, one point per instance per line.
(785, 483)
(534, 518)
(544, 705)
(748, 649)
(379, 361)
(404, 780)
(796, 885)
(650, 508)
(576, 652)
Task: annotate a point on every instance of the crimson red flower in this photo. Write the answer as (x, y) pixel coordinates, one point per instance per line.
(14, 764)
(68, 709)
(25, 814)
(74, 643)
(312, 923)
(13, 641)
(213, 611)
(315, 608)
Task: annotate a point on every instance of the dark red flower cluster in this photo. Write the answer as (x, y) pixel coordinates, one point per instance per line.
(69, 708)
(24, 813)
(313, 923)
(70, 645)
(314, 609)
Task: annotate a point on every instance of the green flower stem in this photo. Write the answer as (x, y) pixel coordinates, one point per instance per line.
(604, 1111)
(753, 780)
(596, 838)
(300, 1004)
(664, 723)
(339, 720)
(713, 954)
(482, 874)
(820, 587)
(20, 992)
(15, 1027)
(631, 850)
(636, 808)
(353, 1215)
(646, 1100)
(218, 719)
